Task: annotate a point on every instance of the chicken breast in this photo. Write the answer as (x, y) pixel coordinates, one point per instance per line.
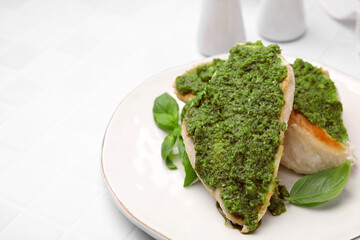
(217, 148)
(310, 149)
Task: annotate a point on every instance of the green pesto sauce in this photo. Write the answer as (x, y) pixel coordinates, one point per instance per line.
(195, 80)
(235, 126)
(277, 206)
(282, 191)
(316, 98)
(228, 223)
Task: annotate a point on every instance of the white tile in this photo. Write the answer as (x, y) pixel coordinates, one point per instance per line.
(139, 234)
(126, 8)
(74, 236)
(8, 157)
(31, 228)
(22, 181)
(6, 112)
(103, 23)
(5, 73)
(84, 78)
(21, 132)
(13, 4)
(20, 91)
(42, 9)
(55, 103)
(91, 158)
(92, 117)
(104, 221)
(50, 33)
(14, 25)
(60, 148)
(8, 214)
(112, 90)
(80, 43)
(48, 67)
(19, 55)
(122, 81)
(4, 43)
(65, 199)
(73, 13)
(156, 23)
(113, 52)
(94, 3)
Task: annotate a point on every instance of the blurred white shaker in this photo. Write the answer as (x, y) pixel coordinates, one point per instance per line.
(221, 26)
(357, 30)
(281, 20)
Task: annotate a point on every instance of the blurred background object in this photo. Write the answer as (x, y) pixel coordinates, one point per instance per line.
(281, 20)
(340, 10)
(358, 25)
(221, 26)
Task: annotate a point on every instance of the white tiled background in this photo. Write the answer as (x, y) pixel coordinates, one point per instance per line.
(64, 67)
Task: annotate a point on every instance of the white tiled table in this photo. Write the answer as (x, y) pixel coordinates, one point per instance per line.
(65, 66)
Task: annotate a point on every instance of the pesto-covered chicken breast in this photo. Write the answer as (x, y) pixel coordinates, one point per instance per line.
(316, 138)
(233, 131)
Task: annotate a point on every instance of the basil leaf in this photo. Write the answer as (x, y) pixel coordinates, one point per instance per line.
(190, 175)
(166, 149)
(318, 188)
(184, 109)
(177, 131)
(166, 112)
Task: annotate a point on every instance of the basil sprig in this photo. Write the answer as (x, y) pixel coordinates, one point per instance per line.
(190, 175)
(321, 187)
(166, 116)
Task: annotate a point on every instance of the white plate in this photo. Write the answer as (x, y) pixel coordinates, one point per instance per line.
(153, 197)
